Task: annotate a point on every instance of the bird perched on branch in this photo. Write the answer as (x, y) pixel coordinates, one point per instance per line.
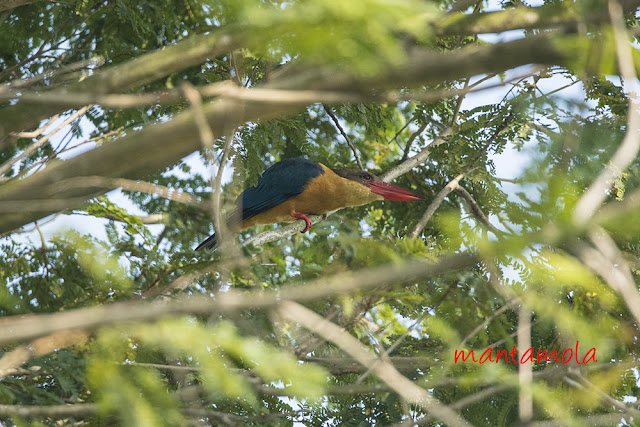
(294, 188)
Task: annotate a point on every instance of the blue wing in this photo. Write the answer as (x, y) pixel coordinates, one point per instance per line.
(277, 184)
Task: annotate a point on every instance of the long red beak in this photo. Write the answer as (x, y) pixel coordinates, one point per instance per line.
(391, 192)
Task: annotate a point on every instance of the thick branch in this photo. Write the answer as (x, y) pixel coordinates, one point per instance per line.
(162, 144)
(228, 89)
(147, 68)
(19, 328)
(563, 14)
(196, 49)
(606, 260)
(53, 411)
(12, 4)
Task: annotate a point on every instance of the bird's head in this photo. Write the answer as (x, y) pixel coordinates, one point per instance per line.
(388, 191)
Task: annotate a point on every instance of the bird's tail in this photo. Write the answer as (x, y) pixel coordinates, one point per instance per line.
(234, 223)
(210, 243)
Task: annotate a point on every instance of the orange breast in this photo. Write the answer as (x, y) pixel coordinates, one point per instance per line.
(325, 193)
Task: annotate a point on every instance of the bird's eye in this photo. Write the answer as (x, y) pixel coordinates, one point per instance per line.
(367, 177)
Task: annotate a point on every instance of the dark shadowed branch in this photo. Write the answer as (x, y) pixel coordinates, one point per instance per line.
(344, 135)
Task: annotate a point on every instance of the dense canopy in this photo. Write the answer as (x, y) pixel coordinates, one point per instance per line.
(128, 129)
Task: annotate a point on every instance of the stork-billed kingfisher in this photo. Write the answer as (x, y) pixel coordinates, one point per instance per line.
(294, 188)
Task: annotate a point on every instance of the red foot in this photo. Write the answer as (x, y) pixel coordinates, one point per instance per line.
(306, 219)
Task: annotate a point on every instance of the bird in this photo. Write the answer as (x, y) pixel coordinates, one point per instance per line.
(294, 188)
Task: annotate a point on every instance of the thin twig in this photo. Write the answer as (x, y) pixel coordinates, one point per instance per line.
(50, 74)
(39, 143)
(435, 204)
(471, 399)
(344, 134)
(605, 397)
(62, 149)
(412, 138)
(456, 111)
(416, 160)
(488, 320)
(37, 54)
(454, 183)
(477, 212)
(591, 421)
(176, 368)
(30, 230)
(395, 137)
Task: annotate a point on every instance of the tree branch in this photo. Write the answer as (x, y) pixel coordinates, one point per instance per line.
(129, 185)
(605, 397)
(53, 411)
(471, 399)
(6, 167)
(344, 135)
(488, 320)
(563, 15)
(606, 260)
(41, 346)
(385, 371)
(435, 204)
(414, 161)
(158, 145)
(207, 139)
(412, 138)
(37, 132)
(592, 420)
(19, 328)
(477, 212)
(628, 149)
(227, 89)
(152, 66)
